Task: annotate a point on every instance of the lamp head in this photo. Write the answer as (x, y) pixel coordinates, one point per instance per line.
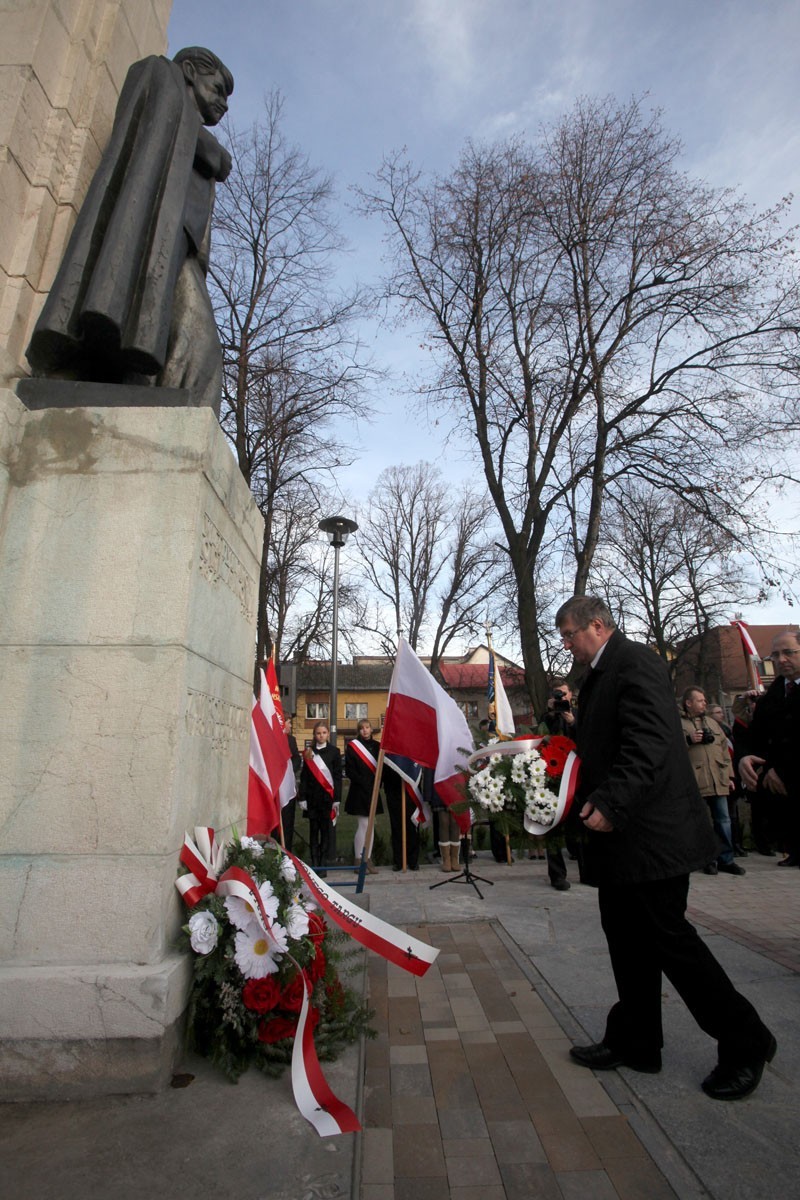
(338, 529)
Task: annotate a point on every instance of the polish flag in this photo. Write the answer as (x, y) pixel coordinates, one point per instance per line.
(424, 723)
(271, 782)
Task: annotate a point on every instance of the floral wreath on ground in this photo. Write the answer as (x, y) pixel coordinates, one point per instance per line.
(247, 992)
(520, 784)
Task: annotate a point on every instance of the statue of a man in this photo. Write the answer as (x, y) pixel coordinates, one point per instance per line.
(129, 303)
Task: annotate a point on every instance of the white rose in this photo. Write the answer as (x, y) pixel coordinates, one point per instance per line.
(203, 932)
(249, 843)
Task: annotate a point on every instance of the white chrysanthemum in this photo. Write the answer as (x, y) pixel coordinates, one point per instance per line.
(241, 912)
(296, 919)
(494, 759)
(251, 844)
(256, 957)
(288, 870)
(203, 932)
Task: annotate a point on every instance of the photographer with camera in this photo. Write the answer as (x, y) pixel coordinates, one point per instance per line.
(709, 755)
(559, 718)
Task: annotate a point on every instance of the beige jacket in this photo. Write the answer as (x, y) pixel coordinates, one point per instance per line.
(712, 762)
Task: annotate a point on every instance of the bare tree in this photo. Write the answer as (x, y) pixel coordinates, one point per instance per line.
(293, 366)
(667, 570)
(596, 313)
(428, 559)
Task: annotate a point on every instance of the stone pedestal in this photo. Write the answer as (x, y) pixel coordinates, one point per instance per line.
(129, 560)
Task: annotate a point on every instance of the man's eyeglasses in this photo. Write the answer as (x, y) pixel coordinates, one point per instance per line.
(779, 654)
(568, 635)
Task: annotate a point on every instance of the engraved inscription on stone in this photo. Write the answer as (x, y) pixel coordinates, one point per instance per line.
(220, 564)
(215, 719)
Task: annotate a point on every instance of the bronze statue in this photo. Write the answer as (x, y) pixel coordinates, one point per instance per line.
(129, 303)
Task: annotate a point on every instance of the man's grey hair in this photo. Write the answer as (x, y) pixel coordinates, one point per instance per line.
(582, 610)
(794, 632)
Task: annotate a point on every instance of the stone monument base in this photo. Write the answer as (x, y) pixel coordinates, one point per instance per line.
(129, 563)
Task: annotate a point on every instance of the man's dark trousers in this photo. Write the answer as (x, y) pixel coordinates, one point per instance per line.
(647, 934)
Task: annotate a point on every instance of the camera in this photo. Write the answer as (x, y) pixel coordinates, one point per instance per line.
(707, 738)
(560, 704)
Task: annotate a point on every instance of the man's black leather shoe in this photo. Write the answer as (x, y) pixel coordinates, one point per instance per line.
(736, 1082)
(731, 868)
(600, 1057)
(561, 885)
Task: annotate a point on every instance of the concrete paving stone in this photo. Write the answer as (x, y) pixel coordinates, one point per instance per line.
(516, 1141)
(467, 1147)
(377, 1191)
(457, 1092)
(468, 1024)
(639, 1179)
(612, 1137)
(418, 1152)
(377, 1107)
(524, 1181)
(376, 1051)
(456, 981)
(569, 1149)
(411, 1188)
(401, 1055)
(459, 1123)
(477, 1193)
(467, 1006)
(477, 1037)
(377, 1157)
(473, 1172)
(402, 987)
(586, 1185)
(411, 1080)
(438, 1034)
(437, 1014)
(507, 1027)
(414, 1110)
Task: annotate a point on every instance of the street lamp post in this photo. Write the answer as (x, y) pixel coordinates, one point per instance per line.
(338, 530)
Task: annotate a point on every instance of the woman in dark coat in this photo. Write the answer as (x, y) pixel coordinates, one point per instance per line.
(320, 792)
(361, 774)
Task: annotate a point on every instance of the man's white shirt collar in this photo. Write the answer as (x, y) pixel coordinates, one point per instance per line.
(596, 658)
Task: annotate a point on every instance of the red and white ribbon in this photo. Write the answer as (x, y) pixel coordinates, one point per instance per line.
(319, 769)
(397, 947)
(204, 858)
(363, 753)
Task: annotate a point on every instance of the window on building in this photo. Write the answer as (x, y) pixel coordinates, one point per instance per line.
(470, 709)
(766, 669)
(317, 711)
(355, 712)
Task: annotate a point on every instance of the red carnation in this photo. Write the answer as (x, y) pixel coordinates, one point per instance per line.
(277, 1028)
(261, 995)
(334, 993)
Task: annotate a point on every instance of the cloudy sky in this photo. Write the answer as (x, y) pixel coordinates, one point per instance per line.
(361, 78)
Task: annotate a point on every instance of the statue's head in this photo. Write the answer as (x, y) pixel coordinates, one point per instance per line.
(209, 79)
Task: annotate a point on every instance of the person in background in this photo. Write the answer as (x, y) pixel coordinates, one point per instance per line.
(713, 767)
(772, 762)
(359, 797)
(717, 713)
(289, 810)
(317, 802)
(559, 720)
(761, 816)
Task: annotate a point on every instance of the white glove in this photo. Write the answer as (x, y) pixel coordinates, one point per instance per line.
(304, 805)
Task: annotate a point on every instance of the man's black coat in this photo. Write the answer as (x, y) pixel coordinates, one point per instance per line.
(635, 769)
(774, 734)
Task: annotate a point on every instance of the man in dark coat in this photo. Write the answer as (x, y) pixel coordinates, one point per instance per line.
(770, 765)
(129, 302)
(647, 829)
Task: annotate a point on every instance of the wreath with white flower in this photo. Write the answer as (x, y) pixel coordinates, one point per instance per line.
(247, 990)
(518, 784)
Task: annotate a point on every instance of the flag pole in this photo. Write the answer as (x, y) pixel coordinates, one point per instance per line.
(403, 819)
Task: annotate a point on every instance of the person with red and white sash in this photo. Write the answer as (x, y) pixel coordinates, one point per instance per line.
(320, 792)
(360, 764)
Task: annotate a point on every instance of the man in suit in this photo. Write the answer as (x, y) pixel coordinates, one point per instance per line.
(647, 828)
(771, 765)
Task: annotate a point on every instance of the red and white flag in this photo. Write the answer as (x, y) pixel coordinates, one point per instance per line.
(271, 783)
(753, 657)
(424, 723)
